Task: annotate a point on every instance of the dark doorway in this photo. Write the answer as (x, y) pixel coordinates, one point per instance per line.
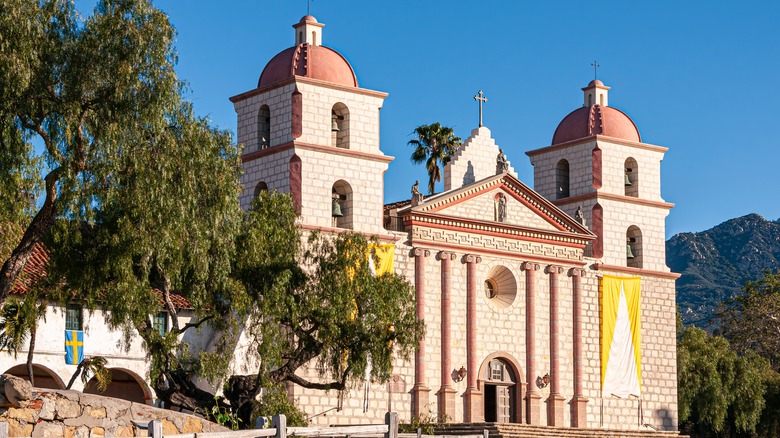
(491, 411)
(500, 396)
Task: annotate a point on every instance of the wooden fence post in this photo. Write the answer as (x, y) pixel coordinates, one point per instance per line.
(391, 420)
(154, 429)
(3, 429)
(261, 422)
(485, 433)
(279, 422)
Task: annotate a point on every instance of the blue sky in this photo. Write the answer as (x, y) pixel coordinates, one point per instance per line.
(700, 78)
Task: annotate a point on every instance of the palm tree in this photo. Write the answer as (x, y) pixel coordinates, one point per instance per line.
(96, 366)
(18, 320)
(434, 144)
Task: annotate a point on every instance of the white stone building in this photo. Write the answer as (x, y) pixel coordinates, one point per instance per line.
(507, 281)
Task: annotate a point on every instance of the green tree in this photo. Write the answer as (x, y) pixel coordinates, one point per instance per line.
(435, 145)
(78, 87)
(18, 322)
(751, 320)
(719, 392)
(92, 366)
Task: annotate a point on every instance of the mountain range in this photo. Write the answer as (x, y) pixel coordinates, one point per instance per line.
(716, 263)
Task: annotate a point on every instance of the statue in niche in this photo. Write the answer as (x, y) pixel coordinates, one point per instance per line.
(502, 165)
(501, 209)
(579, 217)
(417, 197)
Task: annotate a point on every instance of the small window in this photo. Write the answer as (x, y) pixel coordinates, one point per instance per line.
(496, 371)
(490, 289)
(73, 318)
(160, 323)
(562, 179)
(264, 128)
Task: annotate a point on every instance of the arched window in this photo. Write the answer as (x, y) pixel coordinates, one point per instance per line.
(300, 37)
(590, 99)
(341, 205)
(631, 179)
(339, 126)
(260, 187)
(601, 99)
(562, 179)
(313, 38)
(634, 247)
(263, 128)
(500, 287)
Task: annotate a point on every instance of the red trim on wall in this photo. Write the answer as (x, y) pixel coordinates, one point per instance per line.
(597, 217)
(579, 141)
(595, 158)
(613, 197)
(297, 113)
(305, 80)
(296, 180)
(313, 147)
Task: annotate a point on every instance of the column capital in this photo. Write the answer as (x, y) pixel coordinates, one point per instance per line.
(446, 255)
(421, 252)
(529, 266)
(471, 258)
(553, 269)
(577, 272)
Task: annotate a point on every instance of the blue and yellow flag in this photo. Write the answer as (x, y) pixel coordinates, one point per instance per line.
(74, 347)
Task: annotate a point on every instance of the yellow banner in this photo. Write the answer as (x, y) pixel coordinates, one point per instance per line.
(383, 263)
(621, 336)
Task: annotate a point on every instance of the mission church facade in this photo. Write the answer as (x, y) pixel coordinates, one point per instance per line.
(544, 306)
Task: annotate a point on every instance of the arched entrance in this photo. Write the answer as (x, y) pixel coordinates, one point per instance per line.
(503, 388)
(125, 385)
(44, 377)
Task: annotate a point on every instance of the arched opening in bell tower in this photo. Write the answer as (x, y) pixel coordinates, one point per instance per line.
(339, 126)
(631, 179)
(263, 128)
(341, 205)
(562, 179)
(634, 247)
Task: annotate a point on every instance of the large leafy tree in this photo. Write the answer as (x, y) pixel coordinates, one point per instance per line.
(18, 323)
(77, 88)
(719, 392)
(434, 145)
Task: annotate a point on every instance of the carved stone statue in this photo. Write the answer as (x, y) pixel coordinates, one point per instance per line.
(501, 207)
(579, 217)
(502, 165)
(417, 197)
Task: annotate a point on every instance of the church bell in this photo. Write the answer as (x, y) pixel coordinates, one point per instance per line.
(334, 125)
(628, 180)
(629, 252)
(336, 208)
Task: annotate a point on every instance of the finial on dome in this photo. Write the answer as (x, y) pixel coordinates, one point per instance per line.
(596, 93)
(308, 30)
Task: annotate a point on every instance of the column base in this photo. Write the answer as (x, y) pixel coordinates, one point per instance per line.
(420, 400)
(475, 412)
(579, 412)
(533, 401)
(555, 410)
(447, 404)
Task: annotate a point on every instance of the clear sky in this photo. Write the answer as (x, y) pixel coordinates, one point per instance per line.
(699, 77)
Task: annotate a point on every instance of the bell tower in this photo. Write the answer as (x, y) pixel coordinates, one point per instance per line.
(598, 163)
(308, 129)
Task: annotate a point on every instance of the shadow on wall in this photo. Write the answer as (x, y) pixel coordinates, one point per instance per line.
(469, 177)
(667, 421)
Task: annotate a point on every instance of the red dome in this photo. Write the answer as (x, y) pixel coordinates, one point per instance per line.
(317, 62)
(596, 120)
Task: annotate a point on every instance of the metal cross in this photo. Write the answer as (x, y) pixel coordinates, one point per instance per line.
(595, 69)
(479, 97)
(308, 7)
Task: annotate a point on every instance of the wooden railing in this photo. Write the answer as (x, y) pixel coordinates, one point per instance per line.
(279, 429)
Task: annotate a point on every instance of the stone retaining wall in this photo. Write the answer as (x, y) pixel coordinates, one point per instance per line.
(50, 413)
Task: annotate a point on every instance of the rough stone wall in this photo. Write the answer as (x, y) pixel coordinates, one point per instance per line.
(73, 414)
(580, 170)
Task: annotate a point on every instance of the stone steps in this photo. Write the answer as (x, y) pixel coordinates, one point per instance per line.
(505, 430)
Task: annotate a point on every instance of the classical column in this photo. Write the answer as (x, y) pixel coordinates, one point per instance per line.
(474, 412)
(533, 397)
(579, 413)
(446, 392)
(420, 390)
(555, 402)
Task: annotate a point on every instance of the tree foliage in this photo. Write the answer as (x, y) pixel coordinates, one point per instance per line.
(719, 392)
(435, 145)
(751, 319)
(92, 366)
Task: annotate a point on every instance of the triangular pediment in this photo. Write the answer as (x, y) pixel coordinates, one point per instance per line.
(479, 206)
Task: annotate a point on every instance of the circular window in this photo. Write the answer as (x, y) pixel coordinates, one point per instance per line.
(500, 287)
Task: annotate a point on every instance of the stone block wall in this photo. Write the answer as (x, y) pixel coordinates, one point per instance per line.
(475, 160)
(74, 414)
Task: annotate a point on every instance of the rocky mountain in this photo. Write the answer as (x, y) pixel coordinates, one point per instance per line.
(716, 263)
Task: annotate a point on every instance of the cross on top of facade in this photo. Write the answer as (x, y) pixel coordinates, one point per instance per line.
(479, 97)
(595, 66)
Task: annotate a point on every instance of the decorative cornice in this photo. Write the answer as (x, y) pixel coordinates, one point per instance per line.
(598, 137)
(498, 229)
(636, 271)
(305, 80)
(315, 147)
(613, 197)
(537, 260)
(333, 230)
